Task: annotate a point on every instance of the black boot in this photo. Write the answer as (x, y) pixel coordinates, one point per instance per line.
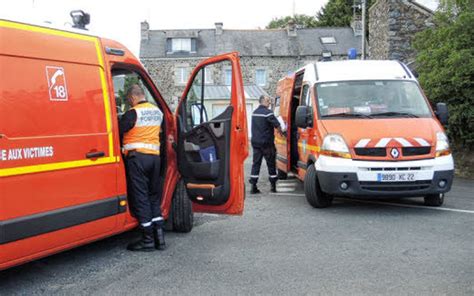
(254, 189)
(146, 242)
(159, 235)
(274, 187)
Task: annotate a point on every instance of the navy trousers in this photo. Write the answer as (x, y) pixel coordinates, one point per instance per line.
(143, 179)
(269, 153)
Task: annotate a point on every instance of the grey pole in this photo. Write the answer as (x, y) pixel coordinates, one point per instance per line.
(363, 29)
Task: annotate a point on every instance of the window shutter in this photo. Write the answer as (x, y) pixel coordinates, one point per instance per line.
(193, 44)
(168, 45)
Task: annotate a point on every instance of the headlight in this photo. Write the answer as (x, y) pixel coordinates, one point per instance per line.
(334, 145)
(442, 144)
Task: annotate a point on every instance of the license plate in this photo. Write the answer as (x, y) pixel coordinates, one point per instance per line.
(396, 177)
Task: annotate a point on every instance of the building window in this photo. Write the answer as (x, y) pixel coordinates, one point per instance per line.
(182, 75)
(328, 40)
(261, 77)
(228, 76)
(181, 44)
(208, 76)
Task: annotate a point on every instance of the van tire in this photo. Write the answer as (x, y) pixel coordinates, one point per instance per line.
(434, 200)
(182, 209)
(282, 175)
(314, 195)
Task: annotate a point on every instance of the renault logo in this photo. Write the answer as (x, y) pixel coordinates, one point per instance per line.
(394, 153)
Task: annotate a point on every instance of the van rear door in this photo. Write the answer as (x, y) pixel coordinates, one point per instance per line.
(212, 141)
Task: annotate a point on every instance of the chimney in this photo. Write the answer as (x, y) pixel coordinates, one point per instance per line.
(291, 28)
(219, 28)
(145, 29)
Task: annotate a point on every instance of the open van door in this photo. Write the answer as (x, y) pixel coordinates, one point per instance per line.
(282, 142)
(212, 141)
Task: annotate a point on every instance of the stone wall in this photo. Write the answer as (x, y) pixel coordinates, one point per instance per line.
(393, 25)
(163, 72)
(378, 30)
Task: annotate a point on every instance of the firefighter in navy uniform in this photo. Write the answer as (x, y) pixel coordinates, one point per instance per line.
(263, 124)
(140, 138)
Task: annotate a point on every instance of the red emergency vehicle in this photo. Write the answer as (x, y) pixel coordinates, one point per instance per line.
(62, 176)
(362, 129)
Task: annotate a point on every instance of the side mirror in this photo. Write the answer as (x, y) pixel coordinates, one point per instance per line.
(303, 117)
(442, 113)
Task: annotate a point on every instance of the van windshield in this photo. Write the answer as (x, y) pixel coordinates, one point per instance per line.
(371, 99)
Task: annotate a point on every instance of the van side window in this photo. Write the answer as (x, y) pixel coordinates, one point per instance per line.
(122, 80)
(276, 109)
(305, 96)
(206, 102)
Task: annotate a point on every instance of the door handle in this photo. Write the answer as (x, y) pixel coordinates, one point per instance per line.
(95, 154)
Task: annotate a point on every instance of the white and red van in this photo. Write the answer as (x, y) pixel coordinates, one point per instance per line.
(362, 129)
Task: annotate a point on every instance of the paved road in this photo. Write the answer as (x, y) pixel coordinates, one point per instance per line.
(281, 246)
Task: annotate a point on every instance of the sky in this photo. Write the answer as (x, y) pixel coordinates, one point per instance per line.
(120, 19)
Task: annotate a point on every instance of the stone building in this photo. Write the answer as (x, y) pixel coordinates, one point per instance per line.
(392, 28)
(266, 55)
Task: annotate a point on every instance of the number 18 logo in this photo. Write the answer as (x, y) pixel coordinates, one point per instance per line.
(57, 87)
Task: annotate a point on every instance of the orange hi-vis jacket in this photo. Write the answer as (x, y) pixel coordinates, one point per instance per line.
(144, 137)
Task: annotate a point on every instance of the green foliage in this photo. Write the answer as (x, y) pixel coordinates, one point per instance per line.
(445, 63)
(301, 21)
(338, 13)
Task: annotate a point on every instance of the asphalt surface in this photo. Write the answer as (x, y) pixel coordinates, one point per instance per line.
(281, 245)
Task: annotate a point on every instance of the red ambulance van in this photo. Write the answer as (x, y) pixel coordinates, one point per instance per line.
(362, 129)
(62, 176)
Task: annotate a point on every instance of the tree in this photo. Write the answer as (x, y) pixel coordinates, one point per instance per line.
(339, 13)
(445, 64)
(336, 13)
(301, 21)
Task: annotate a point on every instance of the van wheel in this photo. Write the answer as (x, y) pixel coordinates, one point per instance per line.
(182, 209)
(282, 175)
(314, 195)
(434, 200)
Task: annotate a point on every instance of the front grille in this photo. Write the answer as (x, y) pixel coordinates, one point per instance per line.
(395, 186)
(380, 152)
(412, 151)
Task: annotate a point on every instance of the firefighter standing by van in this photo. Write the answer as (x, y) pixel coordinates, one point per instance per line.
(140, 137)
(263, 124)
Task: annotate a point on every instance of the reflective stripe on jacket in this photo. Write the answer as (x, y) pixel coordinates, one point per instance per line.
(144, 137)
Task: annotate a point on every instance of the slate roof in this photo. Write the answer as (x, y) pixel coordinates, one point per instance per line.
(429, 5)
(275, 42)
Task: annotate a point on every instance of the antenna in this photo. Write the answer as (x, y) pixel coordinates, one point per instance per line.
(358, 22)
(294, 8)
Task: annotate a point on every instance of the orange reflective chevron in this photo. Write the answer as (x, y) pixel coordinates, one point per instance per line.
(144, 137)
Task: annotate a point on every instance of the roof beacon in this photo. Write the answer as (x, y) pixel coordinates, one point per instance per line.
(352, 54)
(80, 19)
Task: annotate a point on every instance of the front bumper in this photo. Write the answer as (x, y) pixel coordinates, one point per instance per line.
(361, 177)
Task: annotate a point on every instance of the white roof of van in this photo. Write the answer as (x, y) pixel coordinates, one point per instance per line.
(362, 70)
(50, 26)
